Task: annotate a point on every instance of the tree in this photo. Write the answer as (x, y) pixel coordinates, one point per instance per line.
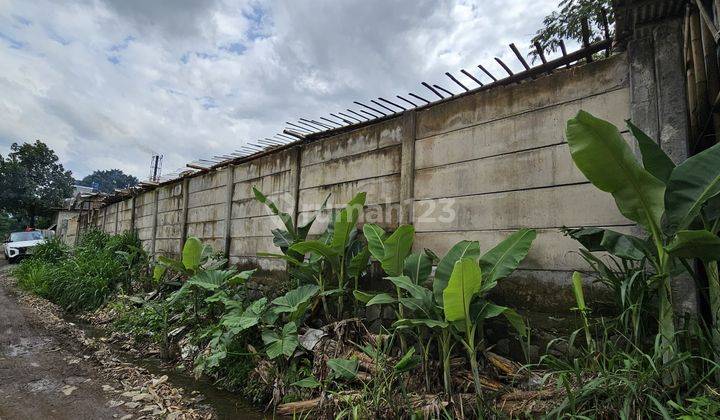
(32, 182)
(566, 23)
(108, 181)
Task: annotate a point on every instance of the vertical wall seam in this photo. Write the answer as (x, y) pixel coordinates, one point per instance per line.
(230, 187)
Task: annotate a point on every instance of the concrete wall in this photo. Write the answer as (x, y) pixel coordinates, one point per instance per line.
(498, 161)
(477, 167)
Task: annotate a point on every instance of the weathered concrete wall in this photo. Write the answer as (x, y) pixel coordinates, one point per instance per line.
(491, 163)
(169, 229)
(367, 159)
(479, 167)
(251, 223)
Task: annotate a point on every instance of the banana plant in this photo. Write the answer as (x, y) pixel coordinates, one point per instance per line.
(391, 251)
(644, 193)
(339, 257)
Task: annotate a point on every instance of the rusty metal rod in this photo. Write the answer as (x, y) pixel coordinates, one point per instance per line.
(456, 81)
(355, 113)
(383, 106)
(393, 104)
(357, 120)
(369, 107)
(466, 73)
(504, 66)
(481, 67)
(419, 97)
(406, 100)
(432, 89)
(519, 56)
(444, 90)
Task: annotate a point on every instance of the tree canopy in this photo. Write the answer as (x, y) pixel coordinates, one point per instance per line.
(32, 182)
(109, 180)
(565, 24)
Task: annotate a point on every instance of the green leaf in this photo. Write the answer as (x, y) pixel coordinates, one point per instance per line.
(618, 244)
(192, 253)
(249, 318)
(397, 248)
(407, 362)
(359, 263)
(416, 322)
(601, 153)
(700, 244)
(624, 246)
(381, 299)
(172, 264)
(462, 249)
(506, 256)
(296, 301)
(281, 345)
(465, 282)
(516, 321)
(241, 277)
(375, 236)
(416, 291)
(363, 297)
(345, 222)
(654, 158)
(577, 284)
(418, 267)
(343, 368)
(302, 231)
(319, 248)
(309, 382)
(284, 217)
(159, 272)
(691, 185)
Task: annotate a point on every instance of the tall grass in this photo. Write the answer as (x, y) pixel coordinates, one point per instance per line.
(85, 277)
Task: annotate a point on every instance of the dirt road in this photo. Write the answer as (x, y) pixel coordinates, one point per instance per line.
(41, 376)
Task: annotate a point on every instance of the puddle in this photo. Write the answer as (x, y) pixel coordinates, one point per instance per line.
(226, 404)
(26, 346)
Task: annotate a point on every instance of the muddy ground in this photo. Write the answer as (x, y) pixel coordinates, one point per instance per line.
(49, 370)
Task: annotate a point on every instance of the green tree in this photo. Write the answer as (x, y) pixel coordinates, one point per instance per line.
(32, 182)
(109, 180)
(565, 24)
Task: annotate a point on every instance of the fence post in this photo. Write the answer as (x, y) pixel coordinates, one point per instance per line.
(295, 165)
(229, 189)
(184, 213)
(117, 215)
(154, 223)
(407, 168)
(132, 213)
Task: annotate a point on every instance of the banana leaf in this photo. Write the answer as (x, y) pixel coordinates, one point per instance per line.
(462, 249)
(695, 244)
(465, 282)
(654, 158)
(691, 185)
(603, 156)
(397, 248)
(506, 256)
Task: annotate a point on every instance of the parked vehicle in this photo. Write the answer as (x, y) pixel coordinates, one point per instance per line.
(20, 244)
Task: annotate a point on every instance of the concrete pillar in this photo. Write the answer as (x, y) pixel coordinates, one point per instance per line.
(117, 215)
(184, 213)
(658, 105)
(230, 187)
(407, 168)
(154, 223)
(295, 168)
(132, 212)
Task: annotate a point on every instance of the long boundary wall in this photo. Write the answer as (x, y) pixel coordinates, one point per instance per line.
(478, 166)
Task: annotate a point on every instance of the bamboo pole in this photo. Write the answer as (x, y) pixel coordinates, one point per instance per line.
(701, 94)
(692, 103)
(711, 70)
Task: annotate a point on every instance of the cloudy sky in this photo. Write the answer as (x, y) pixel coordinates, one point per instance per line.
(108, 82)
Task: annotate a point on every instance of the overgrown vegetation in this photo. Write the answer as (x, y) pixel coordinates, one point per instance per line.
(307, 349)
(84, 278)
